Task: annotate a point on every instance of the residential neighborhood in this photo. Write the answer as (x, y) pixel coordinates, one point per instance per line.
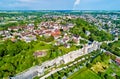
(59, 44)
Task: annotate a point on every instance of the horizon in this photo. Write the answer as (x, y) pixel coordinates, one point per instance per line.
(58, 10)
(59, 5)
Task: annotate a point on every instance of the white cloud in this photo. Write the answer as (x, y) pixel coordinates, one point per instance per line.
(77, 2)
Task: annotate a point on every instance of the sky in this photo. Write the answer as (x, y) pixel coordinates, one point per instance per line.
(59, 4)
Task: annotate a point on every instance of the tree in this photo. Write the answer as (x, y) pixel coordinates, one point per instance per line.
(36, 24)
(91, 39)
(49, 39)
(99, 67)
(104, 46)
(2, 50)
(1, 74)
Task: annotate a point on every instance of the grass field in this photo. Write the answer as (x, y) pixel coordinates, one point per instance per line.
(113, 69)
(84, 74)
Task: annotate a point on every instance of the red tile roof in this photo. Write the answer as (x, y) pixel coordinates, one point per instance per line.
(56, 33)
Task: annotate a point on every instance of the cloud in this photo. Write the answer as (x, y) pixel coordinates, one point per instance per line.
(77, 2)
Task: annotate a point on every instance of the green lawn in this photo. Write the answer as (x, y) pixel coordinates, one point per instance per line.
(41, 46)
(113, 68)
(84, 74)
(1, 41)
(67, 50)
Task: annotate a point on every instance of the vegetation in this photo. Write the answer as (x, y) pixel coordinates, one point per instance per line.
(99, 68)
(15, 55)
(72, 69)
(82, 26)
(112, 47)
(45, 39)
(83, 42)
(84, 73)
(18, 56)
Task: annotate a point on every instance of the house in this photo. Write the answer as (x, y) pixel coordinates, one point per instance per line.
(65, 28)
(30, 28)
(56, 33)
(1, 32)
(76, 39)
(70, 25)
(29, 38)
(66, 38)
(13, 39)
(39, 53)
(67, 45)
(117, 60)
(47, 33)
(14, 28)
(37, 32)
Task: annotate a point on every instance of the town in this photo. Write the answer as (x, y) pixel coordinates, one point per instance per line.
(28, 31)
(45, 44)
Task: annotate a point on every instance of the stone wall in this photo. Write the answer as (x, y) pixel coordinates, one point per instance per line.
(71, 56)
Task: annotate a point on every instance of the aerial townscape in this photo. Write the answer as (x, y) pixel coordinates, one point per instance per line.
(53, 42)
